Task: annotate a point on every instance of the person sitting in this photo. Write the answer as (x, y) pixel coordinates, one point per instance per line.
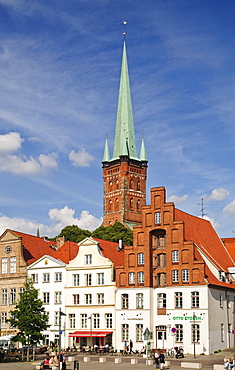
(45, 363)
(226, 362)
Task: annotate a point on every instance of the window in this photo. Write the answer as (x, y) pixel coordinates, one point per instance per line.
(125, 332)
(161, 260)
(46, 298)
(88, 279)
(179, 333)
(138, 186)
(131, 204)
(141, 277)
(139, 332)
(125, 301)
(46, 278)
(161, 279)
(21, 290)
(58, 297)
(131, 278)
(4, 297)
(96, 320)
(161, 300)
(58, 276)
(34, 278)
(88, 299)
(140, 258)
(57, 318)
(230, 328)
(221, 301)
(109, 320)
(100, 298)
(76, 299)
(157, 217)
(195, 333)
(12, 265)
(12, 295)
(175, 276)
(116, 204)
(72, 321)
(131, 184)
(175, 256)
(88, 259)
(3, 320)
(195, 299)
(76, 280)
(117, 184)
(100, 278)
(178, 300)
(139, 300)
(84, 321)
(4, 265)
(185, 276)
(228, 301)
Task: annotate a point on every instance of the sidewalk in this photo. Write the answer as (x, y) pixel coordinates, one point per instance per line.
(175, 364)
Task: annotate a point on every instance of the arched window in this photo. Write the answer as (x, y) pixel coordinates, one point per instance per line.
(131, 204)
(110, 206)
(110, 185)
(117, 184)
(131, 184)
(138, 186)
(138, 205)
(116, 204)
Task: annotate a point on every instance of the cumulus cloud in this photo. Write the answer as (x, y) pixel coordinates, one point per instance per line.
(230, 209)
(81, 158)
(59, 219)
(19, 164)
(218, 194)
(178, 200)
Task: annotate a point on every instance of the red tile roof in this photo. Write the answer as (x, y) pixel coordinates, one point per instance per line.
(230, 245)
(66, 252)
(110, 250)
(34, 247)
(202, 233)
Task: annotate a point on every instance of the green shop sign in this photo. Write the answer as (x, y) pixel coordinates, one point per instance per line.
(191, 318)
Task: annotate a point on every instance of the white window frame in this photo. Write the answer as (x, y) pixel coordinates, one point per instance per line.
(139, 332)
(100, 278)
(178, 300)
(3, 320)
(58, 297)
(96, 320)
(131, 278)
(12, 265)
(58, 277)
(125, 300)
(76, 299)
(125, 332)
(88, 259)
(140, 258)
(139, 300)
(72, 321)
(46, 277)
(76, 280)
(157, 217)
(109, 320)
(46, 297)
(4, 297)
(195, 299)
(175, 276)
(141, 277)
(84, 321)
(88, 298)
(4, 265)
(179, 335)
(175, 256)
(161, 300)
(185, 275)
(12, 295)
(88, 278)
(100, 298)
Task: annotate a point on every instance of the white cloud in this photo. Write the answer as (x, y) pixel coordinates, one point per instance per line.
(10, 142)
(230, 209)
(218, 194)
(19, 164)
(59, 219)
(178, 200)
(81, 158)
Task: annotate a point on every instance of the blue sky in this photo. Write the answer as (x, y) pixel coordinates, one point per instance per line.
(59, 78)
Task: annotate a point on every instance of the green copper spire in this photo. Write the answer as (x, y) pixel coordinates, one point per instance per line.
(106, 157)
(143, 155)
(124, 122)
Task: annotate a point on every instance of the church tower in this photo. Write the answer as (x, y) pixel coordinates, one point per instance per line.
(124, 174)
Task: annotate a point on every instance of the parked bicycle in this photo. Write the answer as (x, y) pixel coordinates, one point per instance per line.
(179, 352)
(170, 352)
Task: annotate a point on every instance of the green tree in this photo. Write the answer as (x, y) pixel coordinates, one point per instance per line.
(29, 317)
(114, 233)
(74, 233)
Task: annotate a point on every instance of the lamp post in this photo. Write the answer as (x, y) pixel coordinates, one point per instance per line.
(59, 346)
(90, 318)
(194, 342)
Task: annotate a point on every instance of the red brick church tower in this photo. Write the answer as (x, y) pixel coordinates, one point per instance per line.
(124, 174)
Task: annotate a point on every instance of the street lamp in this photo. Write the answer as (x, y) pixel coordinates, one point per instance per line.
(90, 318)
(59, 347)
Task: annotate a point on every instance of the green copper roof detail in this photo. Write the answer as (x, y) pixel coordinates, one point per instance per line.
(124, 121)
(106, 157)
(143, 154)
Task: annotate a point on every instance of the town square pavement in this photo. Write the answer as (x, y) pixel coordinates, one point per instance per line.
(175, 364)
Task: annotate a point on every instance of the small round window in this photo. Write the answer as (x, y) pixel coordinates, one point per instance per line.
(8, 249)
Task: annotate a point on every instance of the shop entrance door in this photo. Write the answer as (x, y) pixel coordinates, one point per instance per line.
(161, 337)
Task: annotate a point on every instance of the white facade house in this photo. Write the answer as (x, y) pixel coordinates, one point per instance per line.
(90, 297)
(49, 277)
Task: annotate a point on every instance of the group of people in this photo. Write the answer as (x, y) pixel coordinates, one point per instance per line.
(159, 358)
(229, 363)
(50, 360)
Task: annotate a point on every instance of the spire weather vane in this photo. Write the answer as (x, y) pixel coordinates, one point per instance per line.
(124, 33)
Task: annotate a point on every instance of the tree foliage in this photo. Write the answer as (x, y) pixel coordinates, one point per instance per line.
(113, 233)
(29, 317)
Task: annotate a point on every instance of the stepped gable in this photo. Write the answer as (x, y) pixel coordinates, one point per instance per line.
(67, 252)
(34, 247)
(202, 233)
(110, 250)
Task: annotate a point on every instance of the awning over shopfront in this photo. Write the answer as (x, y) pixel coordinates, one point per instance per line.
(87, 333)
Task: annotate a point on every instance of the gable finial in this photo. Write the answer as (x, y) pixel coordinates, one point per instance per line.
(124, 33)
